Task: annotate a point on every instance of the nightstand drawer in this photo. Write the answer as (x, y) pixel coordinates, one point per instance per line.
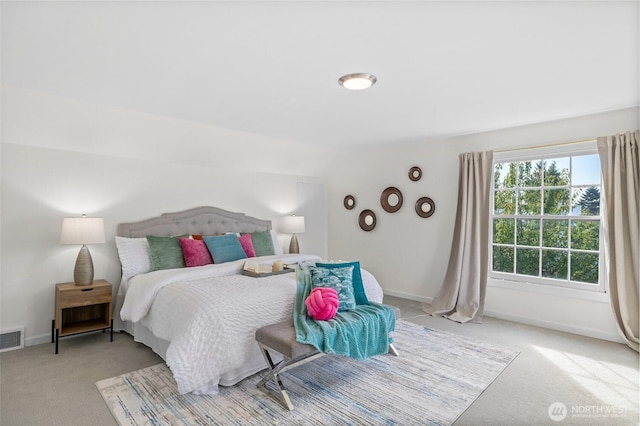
(83, 296)
(69, 295)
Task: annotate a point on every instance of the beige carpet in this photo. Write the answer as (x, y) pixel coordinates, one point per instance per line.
(435, 378)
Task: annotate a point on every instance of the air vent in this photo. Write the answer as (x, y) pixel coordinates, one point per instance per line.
(12, 339)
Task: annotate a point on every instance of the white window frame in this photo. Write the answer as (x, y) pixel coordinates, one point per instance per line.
(530, 282)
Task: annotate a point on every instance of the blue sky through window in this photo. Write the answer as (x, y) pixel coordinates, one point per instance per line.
(586, 170)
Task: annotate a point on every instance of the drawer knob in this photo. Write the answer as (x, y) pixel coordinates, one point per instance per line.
(87, 289)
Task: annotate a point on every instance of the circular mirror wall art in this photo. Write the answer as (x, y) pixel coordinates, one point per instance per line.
(425, 207)
(415, 173)
(349, 202)
(367, 220)
(391, 199)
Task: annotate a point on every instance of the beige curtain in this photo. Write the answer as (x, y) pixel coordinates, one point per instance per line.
(619, 157)
(461, 297)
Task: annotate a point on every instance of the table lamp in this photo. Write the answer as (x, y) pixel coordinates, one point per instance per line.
(293, 225)
(82, 230)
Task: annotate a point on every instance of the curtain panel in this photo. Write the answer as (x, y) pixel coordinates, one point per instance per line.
(461, 297)
(619, 159)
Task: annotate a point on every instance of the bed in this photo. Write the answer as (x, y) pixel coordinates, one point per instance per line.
(201, 319)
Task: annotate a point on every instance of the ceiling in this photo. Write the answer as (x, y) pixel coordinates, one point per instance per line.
(271, 67)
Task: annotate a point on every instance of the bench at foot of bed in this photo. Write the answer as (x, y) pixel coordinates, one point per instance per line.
(280, 338)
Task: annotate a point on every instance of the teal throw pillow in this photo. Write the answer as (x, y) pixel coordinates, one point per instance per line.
(165, 253)
(340, 279)
(262, 243)
(356, 279)
(224, 248)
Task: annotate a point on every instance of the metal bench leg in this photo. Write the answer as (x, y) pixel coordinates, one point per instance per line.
(392, 350)
(280, 394)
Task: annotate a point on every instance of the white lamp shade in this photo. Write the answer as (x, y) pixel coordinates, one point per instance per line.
(293, 224)
(82, 230)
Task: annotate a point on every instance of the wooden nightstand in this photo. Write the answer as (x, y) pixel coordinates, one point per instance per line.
(80, 309)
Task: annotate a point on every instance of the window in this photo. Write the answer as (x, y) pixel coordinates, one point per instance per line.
(546, 217)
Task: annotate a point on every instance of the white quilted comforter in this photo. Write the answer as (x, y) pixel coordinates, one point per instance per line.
(209, 315)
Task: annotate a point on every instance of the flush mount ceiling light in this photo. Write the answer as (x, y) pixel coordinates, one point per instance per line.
(357, 81)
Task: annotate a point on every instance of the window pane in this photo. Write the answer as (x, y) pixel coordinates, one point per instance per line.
(585, 234)
(554, 264)
(586, 201)
(530, 173)
(529, 201)
(504, 202)
(555, 233)
(584, 267)
(556, 172)
(503, 259)
(504, 175)
(528, 232)
(556, 201)
(585, 170)
(527, 261)
(503, 231)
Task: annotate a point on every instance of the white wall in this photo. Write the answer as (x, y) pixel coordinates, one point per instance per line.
(63, 157)
(311, 205)
(41, 119)
(409, 255)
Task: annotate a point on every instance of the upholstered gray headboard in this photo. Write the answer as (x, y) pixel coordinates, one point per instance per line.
(199, 220)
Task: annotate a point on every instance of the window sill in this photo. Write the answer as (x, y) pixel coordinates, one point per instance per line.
(550, 290)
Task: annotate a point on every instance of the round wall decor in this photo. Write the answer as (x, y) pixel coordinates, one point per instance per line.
(425, 207)
(391, 199)
(367, 220)
(349, 202)
(415, 173)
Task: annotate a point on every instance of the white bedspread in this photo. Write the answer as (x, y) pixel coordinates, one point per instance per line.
(209, 315)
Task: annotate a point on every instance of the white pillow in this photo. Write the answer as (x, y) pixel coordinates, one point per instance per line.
(134, 256)
(277, 248)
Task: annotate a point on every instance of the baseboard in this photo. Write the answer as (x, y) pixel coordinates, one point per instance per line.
(581, 331)
(408, 296)
(37, 340)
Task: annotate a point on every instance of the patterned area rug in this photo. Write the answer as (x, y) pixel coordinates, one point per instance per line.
(435, 379)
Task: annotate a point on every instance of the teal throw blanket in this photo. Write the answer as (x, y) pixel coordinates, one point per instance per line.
(359, 333)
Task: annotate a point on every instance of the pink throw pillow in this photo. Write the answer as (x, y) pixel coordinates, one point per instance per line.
(195, 252)
(322, 303)
(247, 245)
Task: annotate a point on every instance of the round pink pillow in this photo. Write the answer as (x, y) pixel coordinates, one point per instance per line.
(322, 303)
